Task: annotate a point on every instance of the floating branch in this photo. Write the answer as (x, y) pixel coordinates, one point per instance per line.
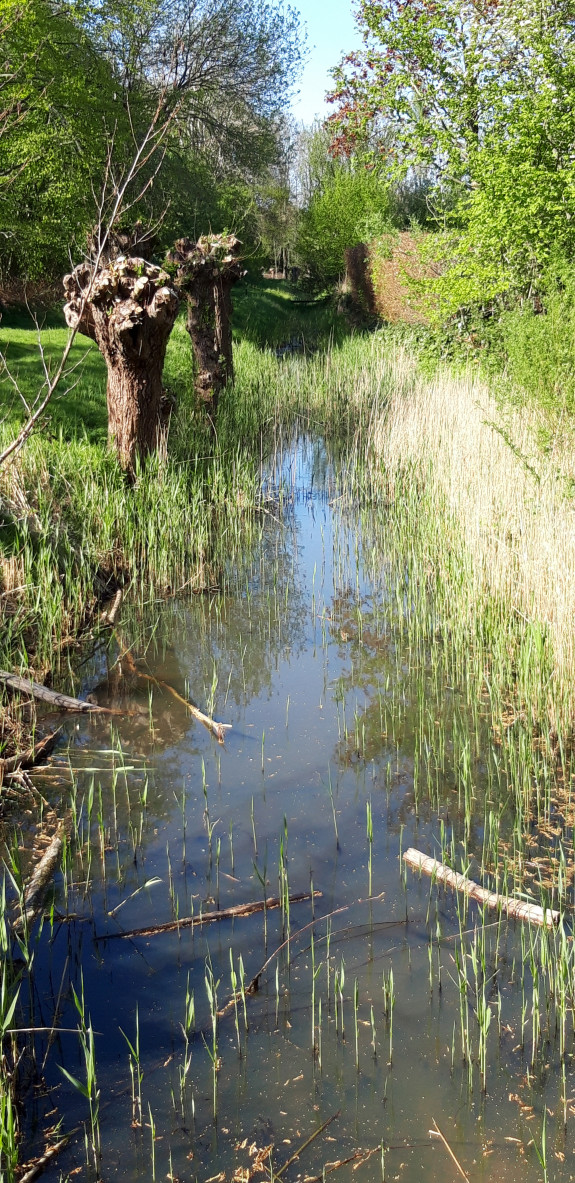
(217, 729)
(62, 701)
(209, 917)
(28, 758)
(519, 909)
(41, 878)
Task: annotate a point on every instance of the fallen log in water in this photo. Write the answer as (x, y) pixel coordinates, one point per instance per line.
(62, 701)
(217, 729)
(29, 758)
(41, 878)
(37, 1166)
(519, 909)
(210, 917)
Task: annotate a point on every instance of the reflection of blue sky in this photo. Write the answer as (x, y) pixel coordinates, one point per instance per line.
(331, 32)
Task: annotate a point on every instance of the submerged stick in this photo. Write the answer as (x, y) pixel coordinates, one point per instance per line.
(253, 986)
(217, 729)
(308, 1142)
(211, 917)
(519, 909)
(62, 701)
(358, 1157)
(41, 1163)
(41, 878)
(28, 758)
(437, 1131)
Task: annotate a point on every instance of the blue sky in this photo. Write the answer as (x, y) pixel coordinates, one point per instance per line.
(331, 32)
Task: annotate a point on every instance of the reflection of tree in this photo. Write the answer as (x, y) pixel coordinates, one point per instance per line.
(225, 646)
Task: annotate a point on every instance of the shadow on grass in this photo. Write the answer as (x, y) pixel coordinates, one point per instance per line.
(270, 313)
(78, 408)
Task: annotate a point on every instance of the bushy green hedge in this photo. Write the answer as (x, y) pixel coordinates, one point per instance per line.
(353, 206)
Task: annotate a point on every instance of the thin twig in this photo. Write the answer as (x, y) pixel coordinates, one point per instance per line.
(449, 1151)
(254, 984)
(211, 917)
(304, 1146)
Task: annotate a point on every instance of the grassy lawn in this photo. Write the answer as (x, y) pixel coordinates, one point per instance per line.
(79, 406)
(270, 313)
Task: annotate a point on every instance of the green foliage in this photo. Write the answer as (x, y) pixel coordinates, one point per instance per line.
(352, 206)
(539, 345)
(480, 100)
(80, 87)
(424, 86)
(54, 149)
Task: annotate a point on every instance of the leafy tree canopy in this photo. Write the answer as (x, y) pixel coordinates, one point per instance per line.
(84, 81)
(481, 95)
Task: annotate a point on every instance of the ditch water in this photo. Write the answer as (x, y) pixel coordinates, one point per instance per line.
(361, 1019)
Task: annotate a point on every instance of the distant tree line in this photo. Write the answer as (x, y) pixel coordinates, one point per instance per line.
(81, 84)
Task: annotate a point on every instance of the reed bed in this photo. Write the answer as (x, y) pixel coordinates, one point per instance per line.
(463, 527)
(500, 518)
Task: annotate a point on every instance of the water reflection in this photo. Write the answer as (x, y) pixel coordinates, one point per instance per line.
(357, 1013)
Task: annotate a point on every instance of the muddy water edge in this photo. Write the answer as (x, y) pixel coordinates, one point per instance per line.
(397, 1031)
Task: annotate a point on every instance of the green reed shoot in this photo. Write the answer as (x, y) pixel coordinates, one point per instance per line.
(212, 993)
(136, 1072)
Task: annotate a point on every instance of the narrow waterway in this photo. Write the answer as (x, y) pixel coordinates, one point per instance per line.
(372, 1011)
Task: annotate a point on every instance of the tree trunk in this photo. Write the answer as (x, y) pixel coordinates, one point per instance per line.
(134, 395)
(207, 271)
(129, 309)
(209, 317)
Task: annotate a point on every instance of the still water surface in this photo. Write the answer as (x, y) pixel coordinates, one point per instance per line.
(300, 655)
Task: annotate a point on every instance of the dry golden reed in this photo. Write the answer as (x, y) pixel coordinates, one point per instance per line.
(508, 499)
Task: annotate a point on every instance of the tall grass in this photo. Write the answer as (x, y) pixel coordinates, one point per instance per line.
(73, 527)
(497, 520)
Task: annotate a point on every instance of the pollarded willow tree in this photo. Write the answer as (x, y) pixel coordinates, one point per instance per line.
(206, 271)
(128, 308)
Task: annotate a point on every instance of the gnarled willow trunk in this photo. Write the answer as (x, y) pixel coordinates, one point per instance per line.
(206, 272)
(128, 309)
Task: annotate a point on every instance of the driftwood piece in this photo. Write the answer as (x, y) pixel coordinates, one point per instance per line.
(42, 1162)
(210, 917)
(41, 878)
(62, 701)
(108, 616)
(518, 909)
(217, 729)
(28, 758)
